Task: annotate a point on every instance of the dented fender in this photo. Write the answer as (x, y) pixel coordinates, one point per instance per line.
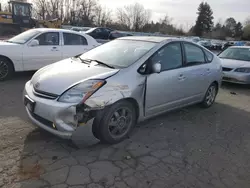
(108, 95)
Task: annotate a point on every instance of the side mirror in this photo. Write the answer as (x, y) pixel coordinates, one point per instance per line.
(34, 42)
(156, 68)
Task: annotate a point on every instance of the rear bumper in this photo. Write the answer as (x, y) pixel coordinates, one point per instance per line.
(234, 77)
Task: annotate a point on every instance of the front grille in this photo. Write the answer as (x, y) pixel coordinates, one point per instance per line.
(43, 121)
(226, 69)
(45, 95)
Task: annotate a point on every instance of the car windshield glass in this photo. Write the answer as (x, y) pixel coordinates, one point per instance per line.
(24, 37)
(119, 53)
(242, 54)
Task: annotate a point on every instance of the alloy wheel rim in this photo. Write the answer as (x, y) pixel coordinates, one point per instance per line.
(211, 95)
(120, 122)
(3, 69)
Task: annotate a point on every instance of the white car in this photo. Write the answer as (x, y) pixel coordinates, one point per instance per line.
(36, 48)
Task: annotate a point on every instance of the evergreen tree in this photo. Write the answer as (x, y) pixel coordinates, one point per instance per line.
(230, 25)
(204, 22)
(238, 30)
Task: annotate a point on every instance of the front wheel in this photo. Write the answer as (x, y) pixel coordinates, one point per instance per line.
(210, 96)
(6, 69)
(117, 122)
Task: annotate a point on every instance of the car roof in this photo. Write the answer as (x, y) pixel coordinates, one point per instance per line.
(56, 30)
(248, 47)
(156, 39)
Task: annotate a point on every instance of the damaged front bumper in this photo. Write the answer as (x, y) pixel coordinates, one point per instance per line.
(60, 119)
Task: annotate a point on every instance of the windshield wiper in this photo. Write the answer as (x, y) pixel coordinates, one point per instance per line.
(84, 60)
(101, 63)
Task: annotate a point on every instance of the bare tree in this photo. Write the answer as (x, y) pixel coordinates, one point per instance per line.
(40, 8)
(85, 11)
(54, 8)
(247, 22)
(103, 16)
(133, 16)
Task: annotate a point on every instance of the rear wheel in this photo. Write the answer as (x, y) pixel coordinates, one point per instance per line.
(210, 96)
(117, 122)
(6, 69)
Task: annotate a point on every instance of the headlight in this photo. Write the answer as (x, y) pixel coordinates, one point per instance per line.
(81, 92)
(243, 70)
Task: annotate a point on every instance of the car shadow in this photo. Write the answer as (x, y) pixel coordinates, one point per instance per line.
(220, 133)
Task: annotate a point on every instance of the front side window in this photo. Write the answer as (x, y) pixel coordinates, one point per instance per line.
(73, 39)
(170, 56)
(242, 54)
(194, 54)
(119, 53)
(48, 39)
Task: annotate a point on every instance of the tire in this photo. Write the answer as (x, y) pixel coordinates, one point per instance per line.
(6, 69)
(120, 118)
(210, 96)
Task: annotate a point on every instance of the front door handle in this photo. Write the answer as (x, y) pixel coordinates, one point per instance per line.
(54, 49)
(181, 77)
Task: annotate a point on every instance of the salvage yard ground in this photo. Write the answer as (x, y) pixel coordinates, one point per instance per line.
(186, 148)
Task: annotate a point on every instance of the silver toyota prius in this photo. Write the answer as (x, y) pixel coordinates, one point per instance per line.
(112, 87)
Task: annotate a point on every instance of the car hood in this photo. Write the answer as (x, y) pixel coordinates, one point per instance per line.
(232, 63)
(58, 77)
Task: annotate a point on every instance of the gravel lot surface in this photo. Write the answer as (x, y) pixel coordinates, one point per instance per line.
(192, 147)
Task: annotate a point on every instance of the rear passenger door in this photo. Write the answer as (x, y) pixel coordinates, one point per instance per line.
(74, 44)
(197, 71)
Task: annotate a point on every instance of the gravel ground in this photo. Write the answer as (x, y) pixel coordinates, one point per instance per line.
(191, 147)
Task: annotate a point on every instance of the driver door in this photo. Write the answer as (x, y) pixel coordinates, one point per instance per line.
(164, 91)
(47, 52)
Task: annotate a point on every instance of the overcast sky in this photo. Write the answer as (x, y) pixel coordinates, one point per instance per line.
(184, 11)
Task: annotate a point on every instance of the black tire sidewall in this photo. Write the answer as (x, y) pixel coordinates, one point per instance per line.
(104, 133)
(10, 69)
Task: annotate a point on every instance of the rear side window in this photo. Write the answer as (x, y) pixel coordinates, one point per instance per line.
(209, 56)
(74, 39)
(194, 54)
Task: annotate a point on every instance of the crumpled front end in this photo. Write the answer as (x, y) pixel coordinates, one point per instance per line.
(60, 119)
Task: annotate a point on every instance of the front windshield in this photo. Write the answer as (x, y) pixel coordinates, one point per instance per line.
(24, 37)
(242, 54)
(119, 53)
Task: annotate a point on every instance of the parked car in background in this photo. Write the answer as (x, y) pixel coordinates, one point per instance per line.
(236, 64)
(206, 44)
(99, 33)
(111, 92)
(215, 45)
(80, 29)
(227, 44)
(117, 34)
(36, 48)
